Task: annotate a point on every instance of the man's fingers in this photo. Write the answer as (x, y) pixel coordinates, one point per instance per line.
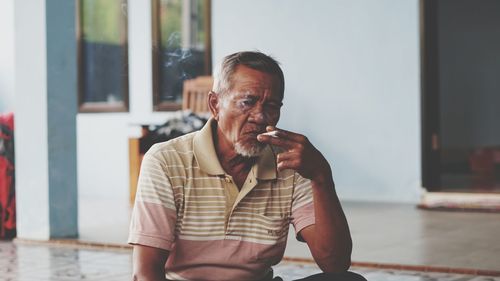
(286, 134)
(288, 164)
(281, 138)
(285, 156)
(288, 160)
(275, 140)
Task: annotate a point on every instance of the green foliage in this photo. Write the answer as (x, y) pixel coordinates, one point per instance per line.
(102, 20)
(171, 23)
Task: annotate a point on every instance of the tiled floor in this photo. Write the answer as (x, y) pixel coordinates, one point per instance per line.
(383, 233)
(44, 262)
(386, 233)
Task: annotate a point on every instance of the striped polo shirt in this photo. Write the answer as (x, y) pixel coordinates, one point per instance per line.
(188, 205)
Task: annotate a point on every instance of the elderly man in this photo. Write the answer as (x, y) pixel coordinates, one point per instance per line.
(216, 204)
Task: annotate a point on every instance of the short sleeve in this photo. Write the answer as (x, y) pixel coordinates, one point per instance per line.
(302, 205)
(154, 214)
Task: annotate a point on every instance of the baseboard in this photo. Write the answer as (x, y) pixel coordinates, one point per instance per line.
(454, 201)
(71, 243)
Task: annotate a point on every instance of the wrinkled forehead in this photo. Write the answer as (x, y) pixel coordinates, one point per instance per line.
(251, 81)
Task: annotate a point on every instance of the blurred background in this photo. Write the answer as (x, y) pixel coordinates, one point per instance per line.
(402, 97)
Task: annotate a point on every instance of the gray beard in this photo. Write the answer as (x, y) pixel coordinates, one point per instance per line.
(248, 151)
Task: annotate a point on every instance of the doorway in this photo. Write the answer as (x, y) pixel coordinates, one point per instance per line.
(461, 95)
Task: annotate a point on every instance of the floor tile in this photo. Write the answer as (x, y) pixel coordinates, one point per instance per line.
(68, 263)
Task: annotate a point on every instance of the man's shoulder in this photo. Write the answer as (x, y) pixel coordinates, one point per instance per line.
(180, 145)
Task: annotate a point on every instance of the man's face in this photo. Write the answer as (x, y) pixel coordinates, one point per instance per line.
(253, 103)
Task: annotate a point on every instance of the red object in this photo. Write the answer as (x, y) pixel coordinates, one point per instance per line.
(7, 191)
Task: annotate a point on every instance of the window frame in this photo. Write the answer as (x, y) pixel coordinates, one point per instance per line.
(158, 104)
(101, 107)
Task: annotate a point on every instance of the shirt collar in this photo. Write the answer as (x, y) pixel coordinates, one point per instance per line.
(204, 151)
(266, 164)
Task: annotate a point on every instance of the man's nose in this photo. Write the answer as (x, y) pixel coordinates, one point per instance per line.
(258, 114)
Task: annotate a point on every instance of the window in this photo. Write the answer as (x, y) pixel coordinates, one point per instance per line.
(102, 56)
(181, 48)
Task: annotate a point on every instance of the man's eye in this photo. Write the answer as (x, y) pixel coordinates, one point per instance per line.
(248, 102)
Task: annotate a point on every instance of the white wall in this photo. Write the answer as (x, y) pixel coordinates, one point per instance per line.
(352, 83)
(32, 186)
(7, 56)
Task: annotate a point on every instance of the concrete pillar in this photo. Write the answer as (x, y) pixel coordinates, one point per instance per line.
(45, 119)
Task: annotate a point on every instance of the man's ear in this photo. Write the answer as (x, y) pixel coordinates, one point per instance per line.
(213, 104)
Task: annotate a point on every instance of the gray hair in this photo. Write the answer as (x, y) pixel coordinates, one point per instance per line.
(255, 60)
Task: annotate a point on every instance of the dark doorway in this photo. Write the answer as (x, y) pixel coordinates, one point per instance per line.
(461, 95)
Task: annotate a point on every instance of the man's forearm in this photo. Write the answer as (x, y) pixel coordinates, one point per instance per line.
(329, 238)
(332, 243)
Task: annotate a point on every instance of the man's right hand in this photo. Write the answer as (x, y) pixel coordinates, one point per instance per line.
(149, 263)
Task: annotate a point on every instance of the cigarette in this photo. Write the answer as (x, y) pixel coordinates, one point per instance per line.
(273, 134)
